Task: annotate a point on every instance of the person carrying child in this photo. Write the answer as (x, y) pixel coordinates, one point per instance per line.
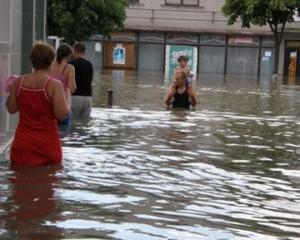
(181, 94)
(182, 66)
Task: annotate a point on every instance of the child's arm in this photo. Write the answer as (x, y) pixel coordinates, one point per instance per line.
(171, 92)
(192, 95)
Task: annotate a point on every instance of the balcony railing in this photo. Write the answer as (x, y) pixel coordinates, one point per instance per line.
(171, 15)
(190, 19)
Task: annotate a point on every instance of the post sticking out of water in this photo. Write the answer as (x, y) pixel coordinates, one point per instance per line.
(110, 97)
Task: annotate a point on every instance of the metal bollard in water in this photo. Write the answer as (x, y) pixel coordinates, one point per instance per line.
(110, 97)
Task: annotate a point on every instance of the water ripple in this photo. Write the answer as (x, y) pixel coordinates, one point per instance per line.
(229, 170)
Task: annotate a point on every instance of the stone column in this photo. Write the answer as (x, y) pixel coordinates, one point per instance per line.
(5, 57)
(34, 28)
(22, 22)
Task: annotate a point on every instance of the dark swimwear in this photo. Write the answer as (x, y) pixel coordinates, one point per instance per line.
(181, 100)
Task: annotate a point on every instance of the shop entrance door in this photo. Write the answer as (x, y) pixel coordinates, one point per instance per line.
(292, 60)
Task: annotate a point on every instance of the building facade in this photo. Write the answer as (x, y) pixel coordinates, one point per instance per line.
(21, 23)
(157, 31)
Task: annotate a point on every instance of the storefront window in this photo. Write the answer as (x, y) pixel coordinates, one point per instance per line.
(243, 41)
(212, 40)
(292, 59)
(124, 36)
(151, 57)
(242, 60)
(267, 61)
(268, 42)
(182, 38)
(211, 60)
(151, 37)
(183, 2)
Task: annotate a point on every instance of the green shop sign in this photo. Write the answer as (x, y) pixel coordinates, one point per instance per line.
(173, 52)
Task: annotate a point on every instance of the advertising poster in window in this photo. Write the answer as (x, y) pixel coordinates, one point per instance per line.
(119, 55)
(292, 67)
(172, 54)
(292, 61)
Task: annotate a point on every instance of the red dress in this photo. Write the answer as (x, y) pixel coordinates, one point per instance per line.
(37, 139)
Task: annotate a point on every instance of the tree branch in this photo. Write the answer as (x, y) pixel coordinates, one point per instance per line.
(271, 25)
(282, 31)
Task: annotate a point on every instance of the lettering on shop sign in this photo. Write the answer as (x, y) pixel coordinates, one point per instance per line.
(241, 40)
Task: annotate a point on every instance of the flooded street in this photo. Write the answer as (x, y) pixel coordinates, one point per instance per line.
(230, 169)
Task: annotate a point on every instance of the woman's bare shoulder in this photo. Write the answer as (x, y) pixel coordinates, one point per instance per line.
(53, 82)
(70, 67)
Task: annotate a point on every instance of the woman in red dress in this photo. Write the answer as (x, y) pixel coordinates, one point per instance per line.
(41, 101)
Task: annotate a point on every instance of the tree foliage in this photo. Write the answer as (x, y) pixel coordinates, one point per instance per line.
(77, 20)
(274, 13)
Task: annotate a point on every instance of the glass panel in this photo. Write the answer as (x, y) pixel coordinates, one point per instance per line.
(151, 37)
(249, 41)
(213, 39)
(94, 53)
(182, 38)
(268, 42)
(211, 60)
(191, 2)
(267, 61)
(292, 44)
(123, 36)
(242, 60)
(151, 57)
(177, 2)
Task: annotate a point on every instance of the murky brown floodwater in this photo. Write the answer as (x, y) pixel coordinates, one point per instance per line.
(228, 170)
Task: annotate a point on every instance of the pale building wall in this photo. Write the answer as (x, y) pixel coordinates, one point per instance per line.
(21, 23)
(10, 49)
(206, 18)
